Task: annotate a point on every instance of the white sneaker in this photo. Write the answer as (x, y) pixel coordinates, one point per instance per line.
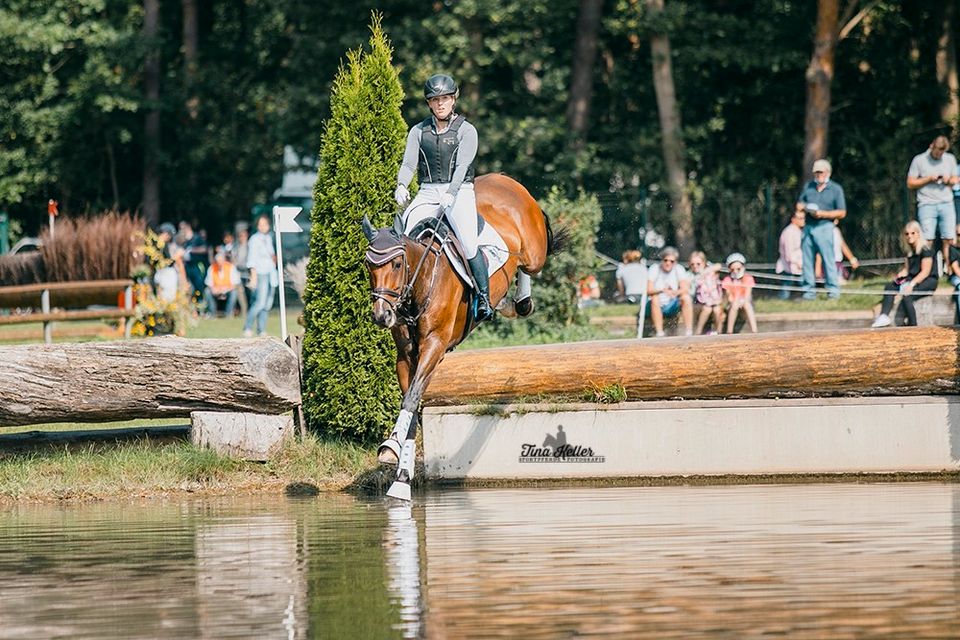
(661, 334)
(247, 333)
(883, 320)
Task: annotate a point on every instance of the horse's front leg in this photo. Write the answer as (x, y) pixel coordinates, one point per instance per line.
(389, 451)
(431, 352)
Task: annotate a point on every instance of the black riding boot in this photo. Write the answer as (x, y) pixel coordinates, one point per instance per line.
(479, 267)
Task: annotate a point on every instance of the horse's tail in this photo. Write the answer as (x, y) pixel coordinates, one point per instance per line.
(558, 241)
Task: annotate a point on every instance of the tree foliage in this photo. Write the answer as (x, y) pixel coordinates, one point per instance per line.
(71, 106)
(350, 387)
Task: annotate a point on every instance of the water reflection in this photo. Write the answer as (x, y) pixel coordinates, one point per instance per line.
(837, 560)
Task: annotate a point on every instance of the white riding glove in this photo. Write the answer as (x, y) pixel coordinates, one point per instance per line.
(447, 200)
(401, 195)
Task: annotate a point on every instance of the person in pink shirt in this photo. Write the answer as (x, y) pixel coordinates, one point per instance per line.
(790, 262)
(738, 290)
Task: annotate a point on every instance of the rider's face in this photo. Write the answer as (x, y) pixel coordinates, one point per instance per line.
(441, 106)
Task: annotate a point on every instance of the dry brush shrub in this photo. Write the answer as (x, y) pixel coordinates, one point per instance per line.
(103, 247)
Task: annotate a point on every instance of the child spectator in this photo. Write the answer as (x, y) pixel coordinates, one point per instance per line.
(917, 278)
(706, 292)
(738, 287)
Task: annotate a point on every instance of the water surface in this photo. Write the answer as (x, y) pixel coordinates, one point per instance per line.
(803, 561)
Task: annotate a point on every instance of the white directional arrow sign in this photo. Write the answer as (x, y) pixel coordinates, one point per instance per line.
(284, 221)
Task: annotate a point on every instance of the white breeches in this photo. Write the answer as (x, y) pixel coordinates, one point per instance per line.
(462, 217)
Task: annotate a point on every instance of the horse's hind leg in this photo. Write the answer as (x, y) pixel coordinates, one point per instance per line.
(523, 300)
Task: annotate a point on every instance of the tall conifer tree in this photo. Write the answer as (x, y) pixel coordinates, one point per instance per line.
(350, 388)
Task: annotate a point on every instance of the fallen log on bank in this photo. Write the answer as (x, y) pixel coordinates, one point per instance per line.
(905, 361)
(154, 378)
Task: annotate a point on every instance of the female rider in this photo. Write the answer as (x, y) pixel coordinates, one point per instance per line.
(442, 149)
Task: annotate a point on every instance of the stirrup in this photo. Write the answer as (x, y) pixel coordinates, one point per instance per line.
(483, 309)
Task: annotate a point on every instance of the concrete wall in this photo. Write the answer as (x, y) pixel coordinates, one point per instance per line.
(820, 435)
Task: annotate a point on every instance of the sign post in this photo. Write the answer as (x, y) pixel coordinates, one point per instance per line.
(52, 212)
(284, 221)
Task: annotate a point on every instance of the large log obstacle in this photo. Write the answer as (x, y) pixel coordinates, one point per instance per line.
(154, 378)
(906, 361)
(857, 401)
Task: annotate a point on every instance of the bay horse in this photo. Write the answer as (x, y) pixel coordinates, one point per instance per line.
(418, 296)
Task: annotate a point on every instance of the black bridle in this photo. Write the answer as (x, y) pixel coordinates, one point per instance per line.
(384, 247)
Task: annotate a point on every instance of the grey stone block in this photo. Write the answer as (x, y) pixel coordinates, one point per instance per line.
(249, 436)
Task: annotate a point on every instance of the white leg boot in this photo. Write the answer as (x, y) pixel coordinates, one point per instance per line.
(400, 488)
(389, 451)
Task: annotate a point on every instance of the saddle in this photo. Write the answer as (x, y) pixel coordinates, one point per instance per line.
(444, 236)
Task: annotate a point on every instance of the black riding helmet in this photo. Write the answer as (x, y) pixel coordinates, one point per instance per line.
(440, 84)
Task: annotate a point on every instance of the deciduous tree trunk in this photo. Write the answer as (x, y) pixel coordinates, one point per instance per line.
(947, 67)
(672, 135)
(155, 378)
(819, 79)
(190, 48)
(806, 364)
(581, 76)
(151, 128)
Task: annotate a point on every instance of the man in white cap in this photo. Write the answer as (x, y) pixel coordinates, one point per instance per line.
(932, 173)
(822, 201)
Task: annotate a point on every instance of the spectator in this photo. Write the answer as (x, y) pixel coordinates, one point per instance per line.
(589, 293)
(790, 262)
(194, 257)
(738, 287)
(706, 292)
(953, 272)
(262, 263)
(917, 278)
(631, 277)
(932, 173)
(221, 282)
(842, 251)
(238, 256)
(669, 291)
(823, 202)
(166, 278)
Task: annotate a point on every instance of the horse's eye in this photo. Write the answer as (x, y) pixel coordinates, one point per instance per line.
(397, 264)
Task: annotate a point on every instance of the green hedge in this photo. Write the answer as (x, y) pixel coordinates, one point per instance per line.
(350, 388)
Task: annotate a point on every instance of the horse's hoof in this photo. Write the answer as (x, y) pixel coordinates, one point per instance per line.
(389, 452)
(524, 307)
(507, 309)
(399, 490)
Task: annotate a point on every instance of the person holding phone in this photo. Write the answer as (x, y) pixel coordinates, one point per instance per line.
(821, 202)
(933, 173)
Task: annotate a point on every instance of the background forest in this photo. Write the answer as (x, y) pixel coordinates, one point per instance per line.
(696, 119)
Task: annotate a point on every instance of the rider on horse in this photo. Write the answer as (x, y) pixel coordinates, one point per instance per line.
(442, 149)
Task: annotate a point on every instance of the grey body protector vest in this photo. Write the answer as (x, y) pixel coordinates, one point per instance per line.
(438, 152)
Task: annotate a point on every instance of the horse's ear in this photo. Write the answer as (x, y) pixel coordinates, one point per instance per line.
(398, 225)
(368, 229)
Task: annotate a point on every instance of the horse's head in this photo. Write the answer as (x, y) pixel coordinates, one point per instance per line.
(386, 261)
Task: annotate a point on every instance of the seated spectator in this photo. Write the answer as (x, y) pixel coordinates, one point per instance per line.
(706, 292)
(589, 293)
(669, 291)
(790, 262)
(953, 272)
(917, 278)
(221, 284)
(840, 251)
(631, 277)
(738, 288)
